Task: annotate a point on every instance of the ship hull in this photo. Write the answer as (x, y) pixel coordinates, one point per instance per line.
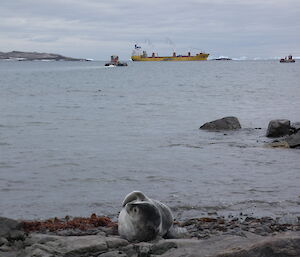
(199, 57)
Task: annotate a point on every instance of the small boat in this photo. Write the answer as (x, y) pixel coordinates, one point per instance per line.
(287, 59)
(114, 61)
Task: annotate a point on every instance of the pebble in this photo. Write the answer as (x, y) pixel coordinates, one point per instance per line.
(5, 248)
(205, 227)
(3, 241)
(113, 254)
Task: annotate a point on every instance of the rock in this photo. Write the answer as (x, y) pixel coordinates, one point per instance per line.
(226, 123)
(116, 242)
(289, 219)
(8, 226)
(162, 247)
(143, 249)
(278, 144)
(16, 235)
(295, 126)
(10, 254)
(293, 140)
(40, 253)
(129, 250)
(278, 128)
(113, 254)
(3, 241)
(72, 246)
(284, 245)
(5, 248)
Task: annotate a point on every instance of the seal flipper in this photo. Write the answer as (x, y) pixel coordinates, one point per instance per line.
(176, 232)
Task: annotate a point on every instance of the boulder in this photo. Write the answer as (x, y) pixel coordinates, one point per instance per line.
(283, 245)
(278, 128)
(226, 123)
(9, 227)
(73, 246)
(292, 141)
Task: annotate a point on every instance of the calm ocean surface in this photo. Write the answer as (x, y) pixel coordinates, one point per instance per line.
(76, 137)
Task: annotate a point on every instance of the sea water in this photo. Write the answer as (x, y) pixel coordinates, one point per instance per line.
(76, 137)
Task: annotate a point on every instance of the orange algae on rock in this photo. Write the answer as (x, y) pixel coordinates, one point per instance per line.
(56, 224)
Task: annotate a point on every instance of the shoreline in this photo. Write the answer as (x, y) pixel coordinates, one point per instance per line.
(97, 236)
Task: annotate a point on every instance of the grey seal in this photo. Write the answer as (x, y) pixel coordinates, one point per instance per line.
(143, 219)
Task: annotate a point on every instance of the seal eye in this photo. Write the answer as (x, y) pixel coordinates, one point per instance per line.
(135, 210)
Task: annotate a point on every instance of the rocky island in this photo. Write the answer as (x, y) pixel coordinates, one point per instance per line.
(35, 56)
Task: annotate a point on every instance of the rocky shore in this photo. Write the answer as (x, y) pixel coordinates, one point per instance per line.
(97, 236)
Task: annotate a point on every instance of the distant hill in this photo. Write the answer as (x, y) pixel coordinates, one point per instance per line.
(32, 56)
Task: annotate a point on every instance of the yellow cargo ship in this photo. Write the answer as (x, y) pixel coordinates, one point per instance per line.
(139, 55)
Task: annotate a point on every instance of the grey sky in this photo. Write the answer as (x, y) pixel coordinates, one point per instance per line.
(97, 28)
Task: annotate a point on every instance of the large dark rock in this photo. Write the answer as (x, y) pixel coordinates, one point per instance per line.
(278, 128)
(9, 227)
(226, 123)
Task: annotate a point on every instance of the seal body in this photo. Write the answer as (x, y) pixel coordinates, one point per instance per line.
(143, 219)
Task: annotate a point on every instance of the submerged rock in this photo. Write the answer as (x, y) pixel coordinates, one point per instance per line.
(278, 128)
(292, 141)
(282, 128)
(295, 126)
(226, 123)
(277, 144)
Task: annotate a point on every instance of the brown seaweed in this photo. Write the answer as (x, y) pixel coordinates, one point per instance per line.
(56, 224)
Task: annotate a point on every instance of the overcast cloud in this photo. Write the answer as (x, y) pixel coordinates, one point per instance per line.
(97, 28)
